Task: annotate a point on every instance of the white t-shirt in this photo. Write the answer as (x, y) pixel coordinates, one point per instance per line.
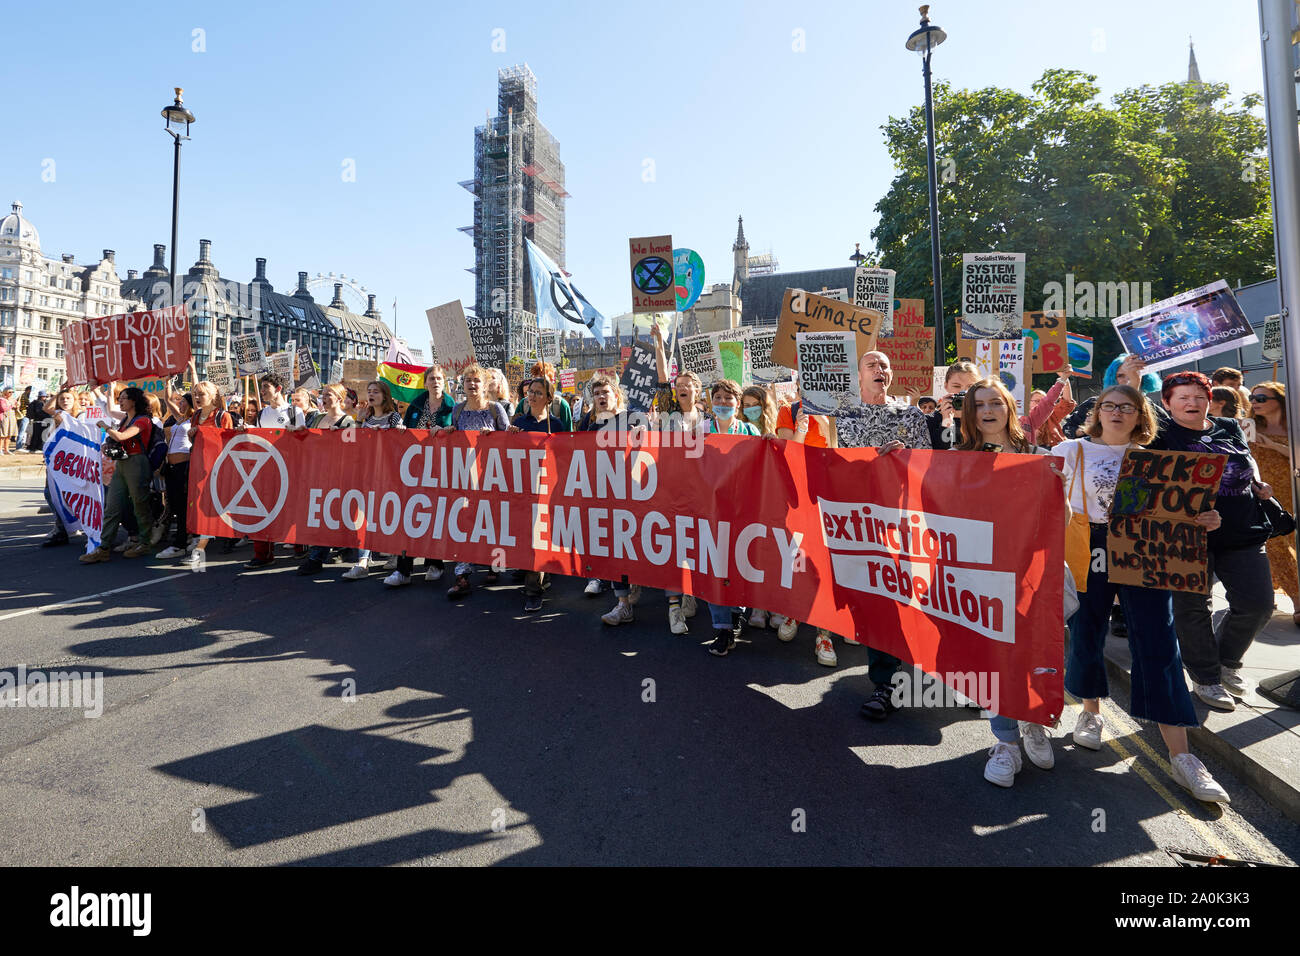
(287, 416)
(1096, 486)
(179, 443)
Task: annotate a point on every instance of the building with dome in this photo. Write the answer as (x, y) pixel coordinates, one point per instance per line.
(40, 295)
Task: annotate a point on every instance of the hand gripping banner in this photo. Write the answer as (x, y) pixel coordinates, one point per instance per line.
(949, 560)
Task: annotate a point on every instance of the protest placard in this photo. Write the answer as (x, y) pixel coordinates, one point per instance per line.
(764, 370)
(488, 335)
(992, 294)
(336, 371)
(874, 289)
(640, 380)
(937, 391)
(841, 294)
(911, 356)
(688, 273)
(221, 373)
(282, 365)
(700, 355)
(514, 376)
(248, 354)
(654, 288)
(808, 312)
(1005, 360)
(117, 348)
(305, 376)
(828, 370)
(566, 378)
(451, 337)
(734, 356)
(908, 312)
(360, 370)
(1152, 539)
(1272, 350)
(1191, 325)
(1048, 340)
(548, 345)
(28, 373)
(1078, 350)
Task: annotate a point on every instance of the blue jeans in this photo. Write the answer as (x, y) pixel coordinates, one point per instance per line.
(721, 615)
(1006, 729)
(1159, 691)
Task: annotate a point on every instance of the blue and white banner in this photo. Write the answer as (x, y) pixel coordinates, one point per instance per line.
(559, 303)
(72, 472)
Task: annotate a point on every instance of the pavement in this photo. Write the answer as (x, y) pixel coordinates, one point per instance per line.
(253, 718)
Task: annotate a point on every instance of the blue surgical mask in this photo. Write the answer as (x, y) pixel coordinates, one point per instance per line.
(754, 412)
(723, 411)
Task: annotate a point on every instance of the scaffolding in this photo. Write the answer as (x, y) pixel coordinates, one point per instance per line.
(519, 194)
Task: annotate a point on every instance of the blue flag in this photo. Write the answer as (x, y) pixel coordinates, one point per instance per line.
(559, 303)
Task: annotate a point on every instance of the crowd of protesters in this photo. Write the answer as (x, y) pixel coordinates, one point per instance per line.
(146, 464)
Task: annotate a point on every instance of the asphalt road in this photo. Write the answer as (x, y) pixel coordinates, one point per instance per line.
(265, 718)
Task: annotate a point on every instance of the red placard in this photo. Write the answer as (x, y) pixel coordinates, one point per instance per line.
(121, 348)
(950, 560)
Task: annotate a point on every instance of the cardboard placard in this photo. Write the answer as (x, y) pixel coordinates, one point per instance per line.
(1078, 349)
(808, 312)
(828, 371)
(134, 345)
(911, 356)
(1047, 333)
(992, 294)
(305, 375)
(1003, 359)
(908, 313)
(336, 371)
(451, 336)
(566, 378)
(653, 284)
(360, 370)
(221, 373)
(764, 370)
(639, 380)
(1152, 540)
(514, 375)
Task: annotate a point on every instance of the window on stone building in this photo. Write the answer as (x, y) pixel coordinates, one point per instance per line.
(44, 348)
(45, 323)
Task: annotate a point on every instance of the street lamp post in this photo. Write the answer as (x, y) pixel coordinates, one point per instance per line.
(923, 41)
(178, 127)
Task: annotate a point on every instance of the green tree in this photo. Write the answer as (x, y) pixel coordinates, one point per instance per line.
(1167, 186)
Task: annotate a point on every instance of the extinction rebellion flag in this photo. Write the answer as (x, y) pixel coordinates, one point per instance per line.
(559, 303)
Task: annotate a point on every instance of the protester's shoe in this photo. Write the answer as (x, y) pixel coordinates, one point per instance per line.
(688, 605)
(397, 579)
(459, 590)
(128, 543)
(159, 530)
(788, 629)
(1118, 626)
(95, 557)
(1038, 745)
(634, 594)
(391, 563)
(774, 621)
(594, 587)
(825, 650)
(195, 560)
(228, 545)
(168, 553)
(256, 563)
(737, 623)
(533, 603)
(880, 704)
(1215, 696)
(723, 642)
(622, 614)
(137, 550)
(356, 572)
(676, 620)
(432, 573)
(1191, 773)
(758, 618)
(1087, 731)
(1003, 764)
(1233, 682)
(55, 539)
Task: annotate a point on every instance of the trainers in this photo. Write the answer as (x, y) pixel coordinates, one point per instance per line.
(774, 621)
(1038, 745)
(622, 614)
(137, 550)
(677, 620)
(128, 543)
(397, 579)
(256, 563)
(723, 642)
(391, 563)
(432, 573)
(159, 530)
(825, 650)
(533, 603)
(594, 587)
(172, 552)
(880, 704)
(356, 572)
(758, 618)
(95, 557)
(55, 539)
(459, 590)
(309, 567)
(195, 560)
(1003, 764)
(634, 594)
(688, 605)
(1087, 730)
(1215, 696)
(788, 629)
(1233, 682)
(1191, 773)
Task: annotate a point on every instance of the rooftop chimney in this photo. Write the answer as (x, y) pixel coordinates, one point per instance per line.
(132, 273)
(109, 254)
(338, 297)
(259, 278)
(303, 292)
(370, 307)
(159, 253)
(67, 257)
(205, 250)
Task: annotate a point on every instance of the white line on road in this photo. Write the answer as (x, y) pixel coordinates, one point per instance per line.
(91, 597)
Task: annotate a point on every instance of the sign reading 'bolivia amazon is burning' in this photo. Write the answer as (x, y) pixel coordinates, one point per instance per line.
(839, 538)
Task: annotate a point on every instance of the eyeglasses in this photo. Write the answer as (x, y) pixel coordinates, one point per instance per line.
(1125, 409)
(1261, 398)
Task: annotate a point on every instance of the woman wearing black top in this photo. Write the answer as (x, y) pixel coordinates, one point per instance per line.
(538, 393)
(1236, 548)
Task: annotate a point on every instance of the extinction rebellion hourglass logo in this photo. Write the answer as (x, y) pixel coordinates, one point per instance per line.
(246, 510)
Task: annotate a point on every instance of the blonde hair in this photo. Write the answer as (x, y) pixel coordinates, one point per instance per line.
(959, 366)
(474, 370)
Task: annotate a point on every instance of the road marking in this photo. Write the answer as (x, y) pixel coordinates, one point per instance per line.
(999, 828)
(91, 597)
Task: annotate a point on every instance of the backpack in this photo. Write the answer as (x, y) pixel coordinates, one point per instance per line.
(157, 449)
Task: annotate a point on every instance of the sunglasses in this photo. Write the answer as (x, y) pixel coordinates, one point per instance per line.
(1261, 399)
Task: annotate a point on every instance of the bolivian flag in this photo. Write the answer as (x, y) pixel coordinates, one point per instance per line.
(405, 381)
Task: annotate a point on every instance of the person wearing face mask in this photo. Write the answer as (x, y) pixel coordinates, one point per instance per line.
(1236, 556)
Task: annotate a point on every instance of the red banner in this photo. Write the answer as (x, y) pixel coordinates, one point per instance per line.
(122, 348)
(952, 561)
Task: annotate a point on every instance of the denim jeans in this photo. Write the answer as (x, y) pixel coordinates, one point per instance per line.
(1248, 581)
(721, 615)
(1159, 690)
(1005, 729)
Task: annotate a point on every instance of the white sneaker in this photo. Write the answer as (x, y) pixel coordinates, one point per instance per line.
(397, 579)
(432, 573)
(774, 621)
(1038, 745)
(391, 563)
(850, 639)
(622, 614)
(1087, 731)
(196, 559)
(758, 618)
(1191, 773)
(356, 572)
(688, 605)
(677, 620)
(634, 594)
(129, 543)
(1215, 696)
(1003, 764)
(1233, 682)
(825, 650)
(788, 629)
(593, 587)
(172, 552)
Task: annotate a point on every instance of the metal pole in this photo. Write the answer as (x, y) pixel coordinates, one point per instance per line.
(176, 179)
(1284, 179)
(940, 347)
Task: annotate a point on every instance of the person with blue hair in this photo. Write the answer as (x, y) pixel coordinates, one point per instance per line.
(1124, 370)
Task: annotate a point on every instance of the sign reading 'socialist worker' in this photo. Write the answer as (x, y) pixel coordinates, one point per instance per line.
(653, 286)
(992, 294)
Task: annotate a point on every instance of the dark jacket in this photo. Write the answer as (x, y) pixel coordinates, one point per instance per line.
(441, 417)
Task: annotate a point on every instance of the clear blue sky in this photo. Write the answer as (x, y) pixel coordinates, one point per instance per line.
(735, 120)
